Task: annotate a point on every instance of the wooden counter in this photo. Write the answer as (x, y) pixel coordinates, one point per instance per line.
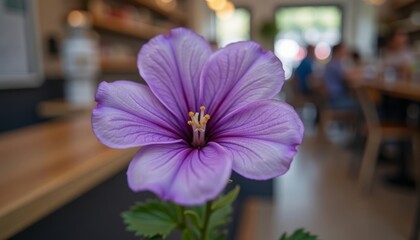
(404, 89)
(46, 166)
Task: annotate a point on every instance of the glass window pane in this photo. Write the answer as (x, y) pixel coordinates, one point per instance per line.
(235, 28)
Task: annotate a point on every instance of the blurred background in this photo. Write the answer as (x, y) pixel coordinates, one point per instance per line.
(352, 71)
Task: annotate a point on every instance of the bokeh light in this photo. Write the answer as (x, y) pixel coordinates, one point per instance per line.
(301, 54)
(167, 4)
(226, 12)
(322, 50)
(376, 2)
(287, 50)
(76, 19)
(216, 5)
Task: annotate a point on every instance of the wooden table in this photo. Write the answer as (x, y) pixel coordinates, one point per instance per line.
(46, 166)
(403, 89)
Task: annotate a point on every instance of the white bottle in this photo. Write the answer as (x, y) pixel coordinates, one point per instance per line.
(80, 61)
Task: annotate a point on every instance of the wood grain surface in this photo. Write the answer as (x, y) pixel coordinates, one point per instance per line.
(45, 166)
(404, 89)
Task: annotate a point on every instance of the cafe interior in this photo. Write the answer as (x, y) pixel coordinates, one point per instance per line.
(351, 72)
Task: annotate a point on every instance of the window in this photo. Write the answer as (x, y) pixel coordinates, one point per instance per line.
(320, 26)
(236, 27)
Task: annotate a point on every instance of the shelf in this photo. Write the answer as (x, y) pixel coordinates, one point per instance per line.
(401, 4)
(175, 14)
(406, 24)
(412, 30)
(61, 108)
(118, 66)
(130, 28)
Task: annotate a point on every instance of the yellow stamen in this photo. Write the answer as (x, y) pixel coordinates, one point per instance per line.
(195, 119)
(198, 123)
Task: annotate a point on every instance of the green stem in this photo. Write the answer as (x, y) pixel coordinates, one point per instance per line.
(206, 221)
(183, 224)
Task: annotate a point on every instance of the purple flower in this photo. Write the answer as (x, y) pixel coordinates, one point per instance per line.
(200, 116)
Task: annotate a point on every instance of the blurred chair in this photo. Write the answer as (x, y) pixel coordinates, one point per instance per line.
(377, 131)
(294, 95)
(329, 113)
(415, 232)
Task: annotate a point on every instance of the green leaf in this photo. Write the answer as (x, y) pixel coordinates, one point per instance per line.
(221, 236)
(156, 237)
(200, 211)
(221, 214)
(221, 210)
(226, 199)
(187, 235)
(283, 236)
(178, 211)
(151, 219)
(195, 218)
(299, 234)
(220, 217)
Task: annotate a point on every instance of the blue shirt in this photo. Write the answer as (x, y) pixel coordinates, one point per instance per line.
(334, 79)
(302, 73)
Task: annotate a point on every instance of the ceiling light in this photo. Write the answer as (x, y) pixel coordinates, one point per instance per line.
(376, 2)
(167, 4)
(226, 12)
(216, 5)
(76, 19)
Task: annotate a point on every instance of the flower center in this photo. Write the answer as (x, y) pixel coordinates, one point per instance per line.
(198, 123)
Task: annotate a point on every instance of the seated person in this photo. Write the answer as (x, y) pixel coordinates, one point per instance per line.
(397, 56)
(304, 71)
(357, 68)
(397, 59)
(336, 78)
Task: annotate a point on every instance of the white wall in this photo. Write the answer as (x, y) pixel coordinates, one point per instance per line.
(366, 29)
(359, 19)
(201, 16)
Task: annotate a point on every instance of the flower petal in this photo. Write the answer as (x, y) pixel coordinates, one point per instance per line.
(236, 75)
(179, 173)
(261, 138)
(171, 66)
(128, 115)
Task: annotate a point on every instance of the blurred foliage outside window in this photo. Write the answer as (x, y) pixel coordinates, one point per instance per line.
(320, 26)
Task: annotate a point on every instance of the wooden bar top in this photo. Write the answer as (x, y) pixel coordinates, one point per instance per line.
(403, 89)
(46, 166)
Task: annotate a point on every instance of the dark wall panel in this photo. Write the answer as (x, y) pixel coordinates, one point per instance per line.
(18, 107)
